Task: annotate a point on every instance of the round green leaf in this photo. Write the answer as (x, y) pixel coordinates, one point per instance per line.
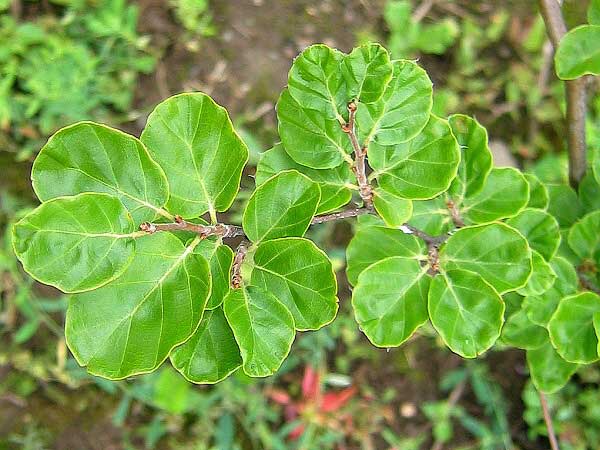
(540, 229)
(497, 252)
(584, 237)
(476, 157)
(405, 169)
(282, 206)
(76, 243)
(371, 244)
(367, 70)
(335, 184)
(519, 331)
(89, 157)
(394, 210)
(193, 140)
(578, 53)
(211, 354)
(220, 260)
(563, 204)
(263, 329)
(300, 275)
(542, 276)
(589, 192)
(130, 326)
(402, 112)
(549, 372)
(466, 311)
(310, 136)
(432, 216)
(572, 329)
(390, 300)
(504, 194)
(538, 194)
(596, 165)
(541, 307)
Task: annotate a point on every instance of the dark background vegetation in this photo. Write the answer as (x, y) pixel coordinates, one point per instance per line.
(112, 61)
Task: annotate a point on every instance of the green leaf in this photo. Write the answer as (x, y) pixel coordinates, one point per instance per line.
(335, 184)
(89, 157)
(373, 243)
(595, 164)
(220, 260)
(193, 140)
(519, 331)
(563, 204)
(211, 354)
(572, 328)
(316, 83)
(402, 112)
(578, 53)
(593, 12)
(300, 275)
(589, 193)
(540, 229)
(76, 243)
(541, 307)
(476, 157)
(432, 216)
(497, 252)
(538, 194)
(283, 206)
(549, 372)
(130, 326)
(542, 276)
(310, 136)
(405, 169)
(504, 194)
(584, 237)
(466, 311)
(367, 70)
(390, 300)
(263, 329)
(394, 210)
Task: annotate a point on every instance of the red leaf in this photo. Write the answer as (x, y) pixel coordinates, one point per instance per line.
(279, 396)
(311, 384)
(296, 432)
(332, 401)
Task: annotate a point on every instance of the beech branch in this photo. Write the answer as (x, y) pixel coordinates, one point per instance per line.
(575, 93)
(236, 268)
(548, 420)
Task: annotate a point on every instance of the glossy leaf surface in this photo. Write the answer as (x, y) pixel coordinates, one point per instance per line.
(366, 70)
(548, 371)
(394, 210)
(578, 53)
(540, 229)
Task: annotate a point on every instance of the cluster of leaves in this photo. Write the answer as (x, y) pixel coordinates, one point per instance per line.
(450, 239)
(56, 70)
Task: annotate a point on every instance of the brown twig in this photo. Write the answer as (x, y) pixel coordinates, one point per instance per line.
(422, 10)
(455, 214)
(354, 212)
(548, 420)
(220, 229)
(575, 93)
(236, 269)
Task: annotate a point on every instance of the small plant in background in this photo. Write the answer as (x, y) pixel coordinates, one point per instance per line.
(196, 19)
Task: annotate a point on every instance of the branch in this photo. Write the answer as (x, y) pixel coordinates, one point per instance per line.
(354, 212)
(575, 93)
(220, 229)
(548, 420)
(236, 269)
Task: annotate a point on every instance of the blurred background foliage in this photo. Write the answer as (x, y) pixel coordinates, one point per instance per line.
(111, 61)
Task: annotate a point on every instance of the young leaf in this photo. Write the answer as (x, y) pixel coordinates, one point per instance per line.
(572, 328)
(542, 276)
(578, 54)
(538, 194)
(76, 243)
(476, 157)
(466, 311)
(367, 70)
(540, 229)
(394, 210)
(549, 372)
(541, 307)
(131, 325)
(405, 169)
(519, 331)
(220, 260)
(89, 157)
(497, 252)
(263, 329)
(504, 194)
(390, 300)
(211, 354)
(584, 237)
(374, 243)
(310, 136)
(282, 206)
(563, 204)
(335, 183)
(193, 140)
(300, 275)
(402, 112)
